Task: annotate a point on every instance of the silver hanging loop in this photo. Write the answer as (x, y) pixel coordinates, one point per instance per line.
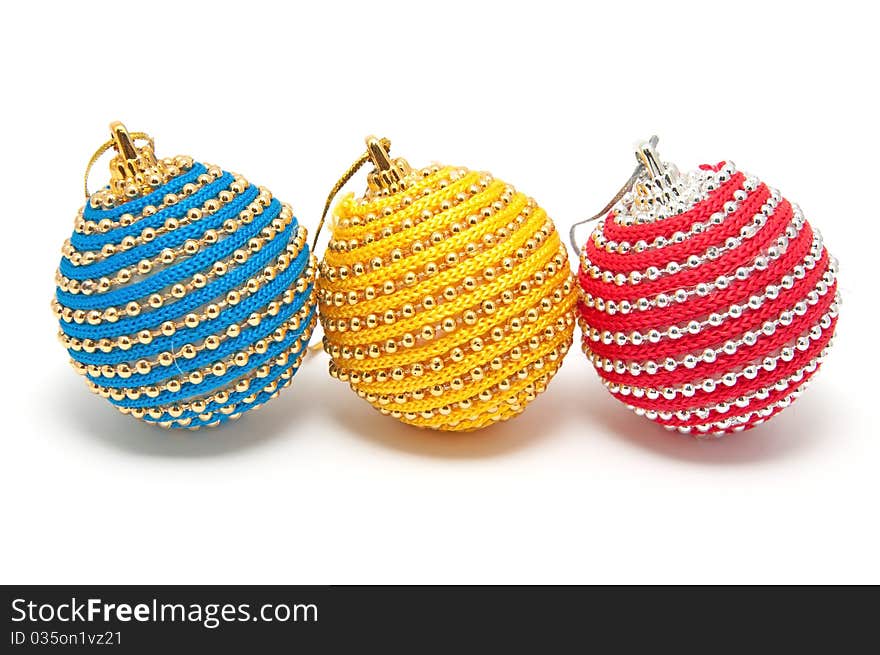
(647, 161)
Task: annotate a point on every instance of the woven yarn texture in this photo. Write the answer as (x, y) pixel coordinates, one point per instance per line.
(449, 304)
(190, 305)
(713, 320)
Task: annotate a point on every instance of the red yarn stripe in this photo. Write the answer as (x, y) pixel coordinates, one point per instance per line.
(696, 306)
(678, 252)
(669, 226)
(726, 263)
(700, 307)
(723, 363)
(715, 335)
(743, 387)
(754, 406)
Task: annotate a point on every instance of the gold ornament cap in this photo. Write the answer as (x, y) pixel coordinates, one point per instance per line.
(134, 169)
(389, 175)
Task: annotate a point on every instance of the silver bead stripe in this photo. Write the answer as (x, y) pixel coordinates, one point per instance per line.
(760, 263)
(749, 339)
(729, 379)
(747, 231)
(739, 423)
(716, 319)
(623, 247)
(695, 189)
(742, 402)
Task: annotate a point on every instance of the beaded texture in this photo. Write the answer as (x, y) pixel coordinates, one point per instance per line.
(190, 305)
(714, 318)
(449, 303)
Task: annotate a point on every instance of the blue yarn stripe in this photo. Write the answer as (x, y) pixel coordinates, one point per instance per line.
(275, 289)
(204, 358)
(236, 314)
(195, 300)
(181, 271)
(234, 397)
(157, 220)
(188, 267)
(233, 279)
(213, 383)
(173, 239)
(220, 418)
(135, 206)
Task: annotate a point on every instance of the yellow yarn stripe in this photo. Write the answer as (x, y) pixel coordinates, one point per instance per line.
(454, 243)
(510, 255)
(445, 343)
(349, 206)
(463, 368)
(476, 415)
(526, 270)
(423, 230)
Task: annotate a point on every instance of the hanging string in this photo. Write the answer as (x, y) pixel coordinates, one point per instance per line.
(640, 168)
(354, 168)
(350, 173)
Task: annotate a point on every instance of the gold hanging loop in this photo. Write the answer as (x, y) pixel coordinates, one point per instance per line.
(387, 176)
(116, 141)
(354, 168)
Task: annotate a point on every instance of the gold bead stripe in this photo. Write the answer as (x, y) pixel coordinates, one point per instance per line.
(479, 406)
(462, 391)
(431, 339)
(233, 411)
(450, 243)
(512, 405)
(518, 242)
(243, 384)
(434, 356)
(356, 227)
(218, 368)
(88, 227)
(460, 233)
(148, 234)
(431, 229)
(405, 376)
(108, 199)
(168, 255)
(483, 412)
(488, 351)
(198, 376)
(509, 321)
(193, 319)
(498, 375)
(192, 350)
(372, 212)
(179, 290)
(145, 337)
(548, 259)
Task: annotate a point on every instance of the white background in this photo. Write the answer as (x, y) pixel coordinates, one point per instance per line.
(550, 96)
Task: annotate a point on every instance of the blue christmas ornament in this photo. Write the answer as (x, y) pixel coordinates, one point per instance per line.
(185, 293)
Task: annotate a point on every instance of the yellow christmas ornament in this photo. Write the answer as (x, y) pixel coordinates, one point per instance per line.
(445, 294)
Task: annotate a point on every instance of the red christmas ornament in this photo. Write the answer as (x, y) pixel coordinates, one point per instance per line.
(707, 300)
